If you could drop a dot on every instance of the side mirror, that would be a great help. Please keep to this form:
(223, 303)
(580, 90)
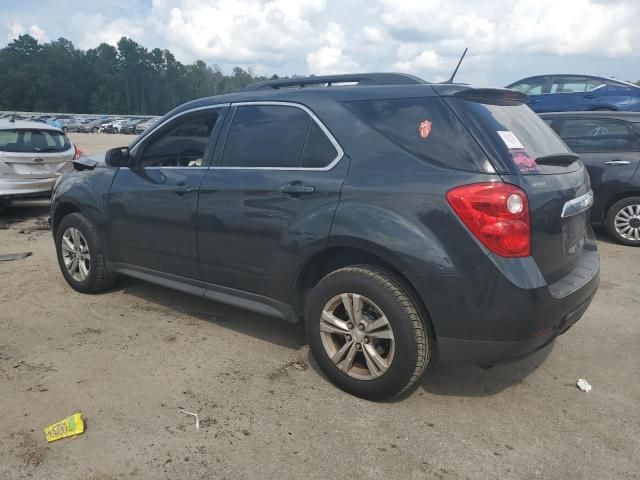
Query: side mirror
(118, 157)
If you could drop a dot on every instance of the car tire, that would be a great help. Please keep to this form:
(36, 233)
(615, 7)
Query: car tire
(391, 338)
(623, 221)
(90, 274)
(65, 129)
(94, 130)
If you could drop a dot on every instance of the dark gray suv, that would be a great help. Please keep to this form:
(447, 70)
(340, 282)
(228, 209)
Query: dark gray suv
(396, 218)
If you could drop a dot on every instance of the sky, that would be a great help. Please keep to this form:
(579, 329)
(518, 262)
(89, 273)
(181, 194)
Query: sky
(507, 39)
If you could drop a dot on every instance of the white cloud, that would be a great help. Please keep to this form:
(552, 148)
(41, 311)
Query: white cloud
(16, 29)
(331, 57)
(506, 38)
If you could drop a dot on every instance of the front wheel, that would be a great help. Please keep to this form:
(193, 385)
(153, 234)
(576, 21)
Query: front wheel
(623, 221)
(80, 255)
(366, 333)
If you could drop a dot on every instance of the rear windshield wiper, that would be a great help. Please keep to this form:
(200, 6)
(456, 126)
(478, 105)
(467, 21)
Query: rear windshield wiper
(46, 149)
(558, 159)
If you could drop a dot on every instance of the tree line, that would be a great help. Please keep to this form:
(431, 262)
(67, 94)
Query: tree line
(126, 79)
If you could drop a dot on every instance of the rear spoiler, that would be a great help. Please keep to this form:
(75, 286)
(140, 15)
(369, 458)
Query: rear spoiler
(493, 96)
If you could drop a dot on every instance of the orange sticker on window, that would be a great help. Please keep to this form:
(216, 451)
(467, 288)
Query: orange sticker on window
(425, 128)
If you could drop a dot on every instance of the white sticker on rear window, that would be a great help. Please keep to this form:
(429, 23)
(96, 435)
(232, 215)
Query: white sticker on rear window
(510, 140)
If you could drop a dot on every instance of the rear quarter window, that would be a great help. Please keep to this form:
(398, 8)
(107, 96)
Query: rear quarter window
(426, 128)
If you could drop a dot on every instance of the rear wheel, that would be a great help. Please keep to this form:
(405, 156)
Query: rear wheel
(80, 255)
(94, 130)
(366, 333)
(623, 221)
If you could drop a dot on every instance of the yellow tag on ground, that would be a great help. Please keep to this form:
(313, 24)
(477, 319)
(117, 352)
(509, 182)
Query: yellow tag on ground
(69, 427)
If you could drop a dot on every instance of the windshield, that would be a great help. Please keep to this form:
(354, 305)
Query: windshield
(33, 141)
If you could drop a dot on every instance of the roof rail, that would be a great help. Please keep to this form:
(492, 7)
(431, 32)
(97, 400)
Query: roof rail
(329, 80)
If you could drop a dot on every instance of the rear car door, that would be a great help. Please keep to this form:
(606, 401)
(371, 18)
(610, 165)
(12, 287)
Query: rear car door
(153, 204)
(610, 150)
(566, 94)
(270, 200)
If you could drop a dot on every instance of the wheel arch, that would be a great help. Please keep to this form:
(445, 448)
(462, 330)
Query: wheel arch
(62, 210)
(339, 256)
(616, 197)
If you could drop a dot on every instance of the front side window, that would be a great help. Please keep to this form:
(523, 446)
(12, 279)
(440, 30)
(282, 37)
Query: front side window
(569, 85)
(182, 143)
(593, 83)
(594, 135)
(276, 136)
(531, 86)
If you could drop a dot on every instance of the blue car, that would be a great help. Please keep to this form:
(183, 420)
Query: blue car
(563, 93)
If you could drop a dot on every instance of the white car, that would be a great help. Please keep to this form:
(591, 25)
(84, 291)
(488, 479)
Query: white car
(33, 156)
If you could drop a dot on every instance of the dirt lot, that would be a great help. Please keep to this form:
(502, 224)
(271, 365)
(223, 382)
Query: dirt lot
(131, 358)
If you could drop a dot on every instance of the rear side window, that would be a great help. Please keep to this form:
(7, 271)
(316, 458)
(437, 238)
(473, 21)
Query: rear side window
(276, 136)
(594, 135)
(569, 85)
(426, 128)
(33, 141)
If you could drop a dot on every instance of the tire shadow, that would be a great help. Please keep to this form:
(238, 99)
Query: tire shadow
(156, 298)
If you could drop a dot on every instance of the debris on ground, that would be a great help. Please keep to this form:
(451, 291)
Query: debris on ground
(193, 415)
(40, 225)
(7, 257)
(68, 427)
(584, 385)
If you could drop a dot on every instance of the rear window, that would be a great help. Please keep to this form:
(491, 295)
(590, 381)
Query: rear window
(515, 134)
(426, 128)
(33, 141)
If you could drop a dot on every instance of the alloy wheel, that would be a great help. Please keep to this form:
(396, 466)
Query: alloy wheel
(357, 336)
(627, 222)
(75, 254)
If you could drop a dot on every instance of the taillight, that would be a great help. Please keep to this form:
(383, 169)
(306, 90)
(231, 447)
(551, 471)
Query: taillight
(78, 153)
(497, 214)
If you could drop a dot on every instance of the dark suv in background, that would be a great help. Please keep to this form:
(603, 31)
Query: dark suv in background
(396, 218)
(609, 145)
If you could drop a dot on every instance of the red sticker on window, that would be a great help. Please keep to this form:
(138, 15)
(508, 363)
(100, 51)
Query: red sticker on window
(425, 128)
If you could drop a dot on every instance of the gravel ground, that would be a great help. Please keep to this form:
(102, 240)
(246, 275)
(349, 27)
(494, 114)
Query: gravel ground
(131, 358)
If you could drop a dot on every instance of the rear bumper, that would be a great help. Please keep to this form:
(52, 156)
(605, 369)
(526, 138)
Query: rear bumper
(21, 187)
(455, 350)
(486, 317)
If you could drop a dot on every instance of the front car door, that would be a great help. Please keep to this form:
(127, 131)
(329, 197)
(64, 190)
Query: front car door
(609, 149)
(535, 88)
(153, 204)
(270, 200)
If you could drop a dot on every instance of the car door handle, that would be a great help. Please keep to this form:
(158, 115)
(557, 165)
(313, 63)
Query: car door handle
(295, 189)
(533, 101)
(182, 189)
(618, 162)
(590, 96)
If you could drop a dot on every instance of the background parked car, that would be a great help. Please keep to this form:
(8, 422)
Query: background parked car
(32, 157)
(92, 126)
(562, 93)
(609, 145)
(130, 126)
(141, 127)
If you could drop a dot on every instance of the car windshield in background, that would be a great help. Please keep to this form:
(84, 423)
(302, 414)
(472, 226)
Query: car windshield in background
(33, 141)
